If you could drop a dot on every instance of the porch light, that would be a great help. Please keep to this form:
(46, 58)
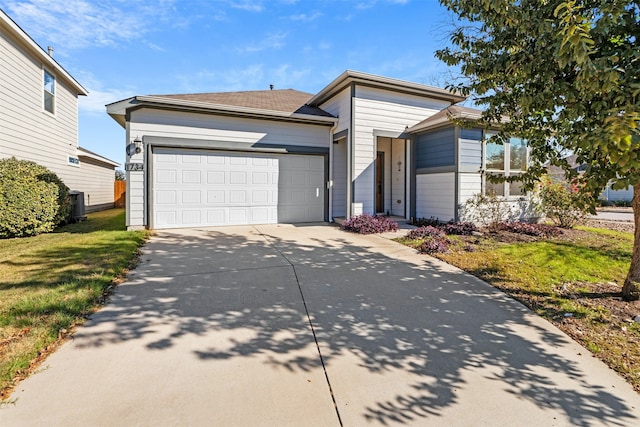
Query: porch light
(135, 147)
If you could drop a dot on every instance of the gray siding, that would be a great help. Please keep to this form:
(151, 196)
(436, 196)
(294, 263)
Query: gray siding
(436, 149)
(470, 144)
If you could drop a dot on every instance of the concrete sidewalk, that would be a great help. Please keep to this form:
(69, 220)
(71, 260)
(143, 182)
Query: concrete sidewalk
(213, 329)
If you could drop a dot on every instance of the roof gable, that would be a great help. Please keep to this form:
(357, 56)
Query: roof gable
(9, 26)
(380, 82)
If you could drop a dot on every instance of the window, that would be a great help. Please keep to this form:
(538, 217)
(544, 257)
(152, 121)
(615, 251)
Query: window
(74, 161)
(509, 159)
(49, 91)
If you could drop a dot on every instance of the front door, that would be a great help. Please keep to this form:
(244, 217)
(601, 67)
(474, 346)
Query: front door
(380, 182)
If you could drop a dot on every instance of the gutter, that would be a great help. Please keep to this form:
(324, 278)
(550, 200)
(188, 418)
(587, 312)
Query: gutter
(178, 104)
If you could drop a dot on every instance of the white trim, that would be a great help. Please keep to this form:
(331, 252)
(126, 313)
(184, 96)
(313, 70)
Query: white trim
(45, 71)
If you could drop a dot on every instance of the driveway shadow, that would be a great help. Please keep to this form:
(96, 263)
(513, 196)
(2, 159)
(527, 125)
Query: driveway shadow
(422, 336)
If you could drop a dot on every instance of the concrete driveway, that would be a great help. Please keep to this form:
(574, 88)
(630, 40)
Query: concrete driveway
(312, 326)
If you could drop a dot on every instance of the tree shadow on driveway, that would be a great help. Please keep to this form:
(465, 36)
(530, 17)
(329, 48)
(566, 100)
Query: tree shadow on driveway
(404, 338)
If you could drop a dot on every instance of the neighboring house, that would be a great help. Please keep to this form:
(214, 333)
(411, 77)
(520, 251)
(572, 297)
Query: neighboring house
(363, 144)
(39, 117)
(608, 193)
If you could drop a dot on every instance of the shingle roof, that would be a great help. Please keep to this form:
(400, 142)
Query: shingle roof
(285, 100)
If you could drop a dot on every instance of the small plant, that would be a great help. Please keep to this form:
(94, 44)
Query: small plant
(460, 228)
(423, 222)
(33, 199)
(422, 232)
(434, 245)
(488, 210)
(369, 224)
(563, 203)
(538, 230)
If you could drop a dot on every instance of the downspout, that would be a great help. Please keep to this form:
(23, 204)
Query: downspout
(350, 156)
(330, 183)
(456, 173)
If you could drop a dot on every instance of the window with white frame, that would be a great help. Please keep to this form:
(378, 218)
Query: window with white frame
(509, 160)
(49, 92)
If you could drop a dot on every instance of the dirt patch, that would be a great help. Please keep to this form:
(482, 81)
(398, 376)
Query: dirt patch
(593, 314)
(611, 335)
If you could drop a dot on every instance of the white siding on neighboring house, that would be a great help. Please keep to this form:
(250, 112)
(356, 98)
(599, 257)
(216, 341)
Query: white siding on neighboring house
(97, 184)
(208, 127)
(27, 131)
(381, 110)
(435, 196)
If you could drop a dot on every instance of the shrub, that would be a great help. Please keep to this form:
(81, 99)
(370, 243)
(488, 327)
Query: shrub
(488, 210)
(434, 245)
(33, 199)
(460, 228)
(422, 232)
(563, 203)
(538, 230)
(423, 222)
(369, 224)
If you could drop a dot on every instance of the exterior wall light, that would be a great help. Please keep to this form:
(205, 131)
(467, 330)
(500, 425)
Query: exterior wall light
(135, 147)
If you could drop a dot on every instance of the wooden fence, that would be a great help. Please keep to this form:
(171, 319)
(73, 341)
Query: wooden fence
(120, 193)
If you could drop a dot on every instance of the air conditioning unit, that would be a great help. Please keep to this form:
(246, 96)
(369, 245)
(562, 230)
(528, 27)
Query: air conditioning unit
(77, 206)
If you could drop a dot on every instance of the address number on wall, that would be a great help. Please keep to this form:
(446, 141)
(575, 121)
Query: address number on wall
(134, 166)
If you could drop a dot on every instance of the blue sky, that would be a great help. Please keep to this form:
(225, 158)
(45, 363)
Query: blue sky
(120, 48)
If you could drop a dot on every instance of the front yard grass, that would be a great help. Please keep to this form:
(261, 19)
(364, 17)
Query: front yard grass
(52, 282)
(573, 280)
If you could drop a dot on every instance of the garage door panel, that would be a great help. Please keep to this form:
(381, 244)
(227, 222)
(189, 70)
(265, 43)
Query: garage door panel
(191, 197)
(191, 177)
(201, 188)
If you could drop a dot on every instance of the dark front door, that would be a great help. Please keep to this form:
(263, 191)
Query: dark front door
(380, 182)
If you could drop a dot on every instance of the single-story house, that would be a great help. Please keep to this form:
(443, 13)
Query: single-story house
(363, 144)
(39, 117)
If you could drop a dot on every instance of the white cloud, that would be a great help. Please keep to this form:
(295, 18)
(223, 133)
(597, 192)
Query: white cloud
(248, 5)
(306, 17)
(230, 80)
(99, 96)
(288, 77)
(80, 23)
(271, 41)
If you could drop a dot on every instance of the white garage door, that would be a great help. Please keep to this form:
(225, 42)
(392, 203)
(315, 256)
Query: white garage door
(194, 188)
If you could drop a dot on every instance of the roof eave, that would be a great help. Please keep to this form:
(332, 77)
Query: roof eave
(35, 49)
(350, 76)
(118, 110)
(83, 152)
(443, 120)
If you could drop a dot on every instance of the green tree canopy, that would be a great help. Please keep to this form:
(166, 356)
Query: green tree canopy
(566, 75)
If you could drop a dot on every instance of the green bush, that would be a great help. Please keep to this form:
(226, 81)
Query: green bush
(33, 199)
(563, 202)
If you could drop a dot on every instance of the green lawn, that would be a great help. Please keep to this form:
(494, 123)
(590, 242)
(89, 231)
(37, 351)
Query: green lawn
(51, 282)
(573, 280)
